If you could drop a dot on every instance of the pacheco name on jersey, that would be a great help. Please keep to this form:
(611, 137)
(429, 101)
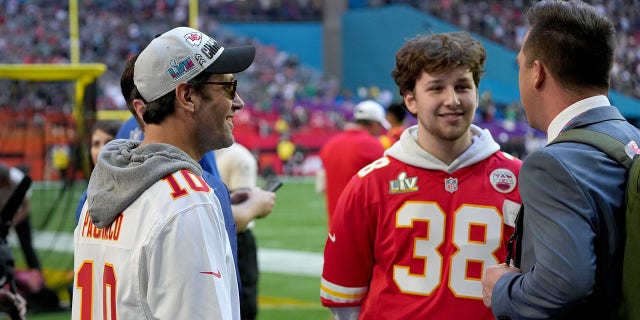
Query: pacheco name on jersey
(112, 232)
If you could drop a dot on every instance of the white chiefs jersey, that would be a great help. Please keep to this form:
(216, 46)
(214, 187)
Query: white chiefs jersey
(166, 256)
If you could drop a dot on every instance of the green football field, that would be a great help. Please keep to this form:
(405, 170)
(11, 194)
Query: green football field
(290, 244)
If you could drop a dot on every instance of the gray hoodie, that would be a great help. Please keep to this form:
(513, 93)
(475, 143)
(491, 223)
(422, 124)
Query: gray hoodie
(124, 170)
(407, 150)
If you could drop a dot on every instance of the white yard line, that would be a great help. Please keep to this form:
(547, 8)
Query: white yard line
(290, 262)
(269, 260)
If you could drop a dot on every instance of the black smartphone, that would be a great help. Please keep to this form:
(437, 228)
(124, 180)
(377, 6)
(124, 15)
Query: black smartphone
(273, 185)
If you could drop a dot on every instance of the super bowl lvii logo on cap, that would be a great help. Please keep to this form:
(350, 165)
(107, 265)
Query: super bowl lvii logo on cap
(178, 69)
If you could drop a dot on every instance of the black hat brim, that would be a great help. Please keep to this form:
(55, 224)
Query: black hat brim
(233, 60)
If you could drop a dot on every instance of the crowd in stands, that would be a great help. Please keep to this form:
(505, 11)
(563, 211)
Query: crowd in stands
(497, 20)
(112, 31)
(267, 10)
(280, 91)
(504, 22)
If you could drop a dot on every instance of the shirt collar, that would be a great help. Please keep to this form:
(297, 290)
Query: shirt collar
(562, 119)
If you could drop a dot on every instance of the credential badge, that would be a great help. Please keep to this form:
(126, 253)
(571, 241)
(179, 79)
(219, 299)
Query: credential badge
(632, 149)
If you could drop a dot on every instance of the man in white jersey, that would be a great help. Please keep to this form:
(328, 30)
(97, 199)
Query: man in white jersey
(151, 240)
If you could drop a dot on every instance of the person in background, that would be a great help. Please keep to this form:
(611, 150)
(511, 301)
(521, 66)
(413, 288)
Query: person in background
(140, 241)
(347, 152)
(573, 194)
(14, 186)
(101, 133)
(413, 230)
(239, 171)
(396, 115)
(13, 304)
(30, 282)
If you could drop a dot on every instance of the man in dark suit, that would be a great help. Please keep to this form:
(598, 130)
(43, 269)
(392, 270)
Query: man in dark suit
(573, 194)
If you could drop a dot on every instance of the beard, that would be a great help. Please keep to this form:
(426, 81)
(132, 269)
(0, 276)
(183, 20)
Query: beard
(223, 141)
(448, 132)
(217, 139)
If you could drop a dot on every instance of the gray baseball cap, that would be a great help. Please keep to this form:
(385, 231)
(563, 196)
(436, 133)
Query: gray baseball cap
(180, 54)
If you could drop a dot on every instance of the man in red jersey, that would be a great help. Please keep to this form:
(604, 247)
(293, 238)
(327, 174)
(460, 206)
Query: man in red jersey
(413, 231)
(354, 148)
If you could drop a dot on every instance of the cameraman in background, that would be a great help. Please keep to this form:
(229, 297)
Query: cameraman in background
(14, 185)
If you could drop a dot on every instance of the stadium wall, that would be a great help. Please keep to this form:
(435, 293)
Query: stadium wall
(304, 39)
(371, 37)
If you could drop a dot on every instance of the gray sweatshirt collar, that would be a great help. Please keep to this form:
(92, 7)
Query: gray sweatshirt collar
(124, 170)
(407, 150)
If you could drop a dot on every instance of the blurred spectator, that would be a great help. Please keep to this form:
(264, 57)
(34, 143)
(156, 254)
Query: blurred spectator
(349, 151)
(239, 171)
(102, 132)
(14, 203)
(395, 114)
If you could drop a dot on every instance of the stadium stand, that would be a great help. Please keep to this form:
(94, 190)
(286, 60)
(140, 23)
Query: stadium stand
(282, 94)
(503, 22)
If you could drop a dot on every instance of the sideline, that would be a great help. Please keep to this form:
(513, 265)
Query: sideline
(269, 260)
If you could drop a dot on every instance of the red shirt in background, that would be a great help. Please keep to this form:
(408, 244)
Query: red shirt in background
(342, 157)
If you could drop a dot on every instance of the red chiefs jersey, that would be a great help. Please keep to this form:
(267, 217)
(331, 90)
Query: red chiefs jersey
(342, 157)
(411, 243)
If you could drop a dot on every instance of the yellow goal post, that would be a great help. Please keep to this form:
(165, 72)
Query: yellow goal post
(82, 73)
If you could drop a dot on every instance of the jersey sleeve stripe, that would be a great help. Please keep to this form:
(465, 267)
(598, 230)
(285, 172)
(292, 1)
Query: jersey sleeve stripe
(340, 294)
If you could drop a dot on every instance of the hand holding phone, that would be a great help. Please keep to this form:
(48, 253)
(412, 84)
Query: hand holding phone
(273, 185)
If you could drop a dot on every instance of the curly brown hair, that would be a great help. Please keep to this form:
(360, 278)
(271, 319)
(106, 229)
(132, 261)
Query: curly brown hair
(437, 53)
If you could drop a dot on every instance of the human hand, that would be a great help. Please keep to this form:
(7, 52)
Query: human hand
(262, 202)
(13, 304)
(257, 203)
(490, 277)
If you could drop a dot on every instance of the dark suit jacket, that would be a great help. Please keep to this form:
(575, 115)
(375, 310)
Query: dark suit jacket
(571, 258)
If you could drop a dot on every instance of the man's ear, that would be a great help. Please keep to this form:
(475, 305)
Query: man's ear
(184, 96)
(540, 73)
(410, 101)
(139, 106)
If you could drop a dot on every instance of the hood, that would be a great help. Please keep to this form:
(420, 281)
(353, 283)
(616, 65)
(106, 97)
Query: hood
(124, 170)
(407, 150)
